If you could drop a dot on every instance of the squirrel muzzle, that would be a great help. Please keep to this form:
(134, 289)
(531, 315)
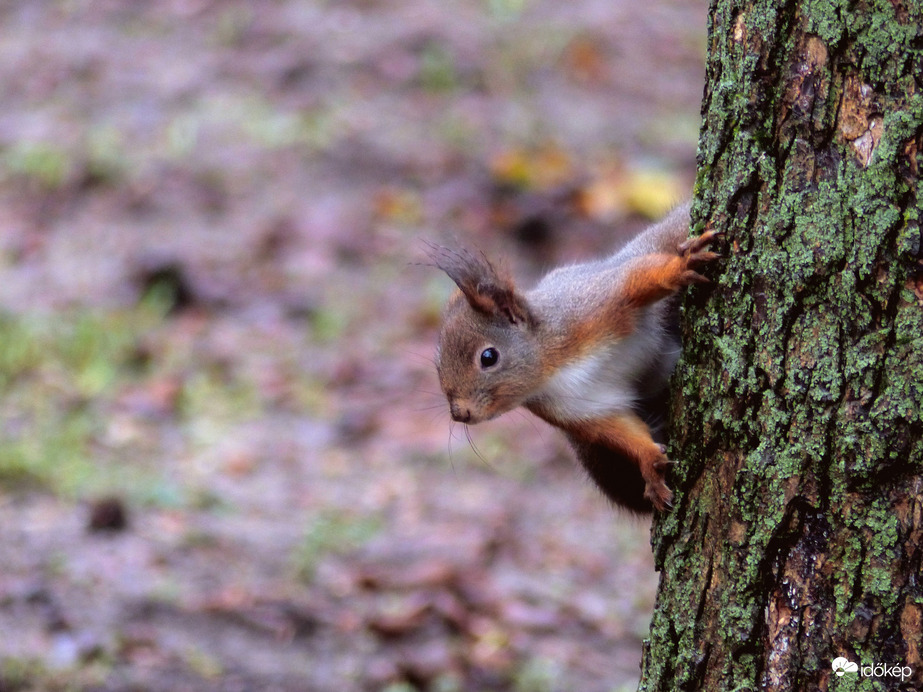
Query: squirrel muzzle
(460, 413)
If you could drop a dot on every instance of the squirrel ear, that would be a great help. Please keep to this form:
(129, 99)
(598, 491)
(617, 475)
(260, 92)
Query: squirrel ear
(487, 290)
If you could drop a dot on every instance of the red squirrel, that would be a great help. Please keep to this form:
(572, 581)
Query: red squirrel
(590, 350)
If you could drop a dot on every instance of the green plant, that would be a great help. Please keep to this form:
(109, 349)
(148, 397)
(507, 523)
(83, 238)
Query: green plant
(332, 532)
(58, 376)
(42, 163)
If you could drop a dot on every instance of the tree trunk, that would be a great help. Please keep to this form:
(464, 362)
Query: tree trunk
(797, 534)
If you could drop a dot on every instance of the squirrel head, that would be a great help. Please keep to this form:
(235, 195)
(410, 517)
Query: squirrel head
(488, 355)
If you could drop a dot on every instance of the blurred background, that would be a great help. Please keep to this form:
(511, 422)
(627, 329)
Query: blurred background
(225, 463)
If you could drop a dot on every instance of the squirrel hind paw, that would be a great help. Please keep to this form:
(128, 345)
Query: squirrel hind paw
(655, 487)
(659, 494)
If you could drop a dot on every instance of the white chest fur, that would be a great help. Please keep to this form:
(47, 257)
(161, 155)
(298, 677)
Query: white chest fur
(600, 383)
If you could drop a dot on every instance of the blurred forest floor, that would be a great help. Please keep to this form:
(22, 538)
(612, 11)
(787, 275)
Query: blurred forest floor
(225, 463)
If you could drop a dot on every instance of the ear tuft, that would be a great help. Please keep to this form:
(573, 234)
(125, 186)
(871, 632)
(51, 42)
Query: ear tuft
(487, 289)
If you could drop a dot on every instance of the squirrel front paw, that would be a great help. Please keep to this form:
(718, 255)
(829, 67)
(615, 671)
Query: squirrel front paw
(693, 253)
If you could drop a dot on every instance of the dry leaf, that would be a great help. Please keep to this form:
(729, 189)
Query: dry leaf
(541, 168)
(650, 193)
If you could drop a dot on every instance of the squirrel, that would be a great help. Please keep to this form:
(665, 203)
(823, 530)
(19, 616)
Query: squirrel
(589, 349)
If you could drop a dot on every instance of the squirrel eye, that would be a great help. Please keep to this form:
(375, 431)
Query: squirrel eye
(489, 357)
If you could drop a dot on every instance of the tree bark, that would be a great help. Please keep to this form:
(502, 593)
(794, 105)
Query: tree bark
(797, 532)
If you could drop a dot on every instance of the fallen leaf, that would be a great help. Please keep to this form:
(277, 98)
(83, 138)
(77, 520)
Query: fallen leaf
(539, 168)
(650, 193)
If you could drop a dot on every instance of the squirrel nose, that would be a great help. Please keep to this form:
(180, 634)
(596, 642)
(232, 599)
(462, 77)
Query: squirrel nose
(459, 414)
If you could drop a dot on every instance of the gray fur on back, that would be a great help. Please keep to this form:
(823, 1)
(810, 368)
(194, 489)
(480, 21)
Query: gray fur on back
(577, 289)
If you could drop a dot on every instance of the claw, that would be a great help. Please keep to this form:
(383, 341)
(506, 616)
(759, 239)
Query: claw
(706, 256)
(692, 245)
(690, 276)
(659, 495)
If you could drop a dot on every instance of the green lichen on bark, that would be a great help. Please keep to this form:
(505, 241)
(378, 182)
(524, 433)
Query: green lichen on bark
(798, 407)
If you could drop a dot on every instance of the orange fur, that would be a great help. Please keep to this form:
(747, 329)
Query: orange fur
(649, 278)
(616, 321)
(629, 435)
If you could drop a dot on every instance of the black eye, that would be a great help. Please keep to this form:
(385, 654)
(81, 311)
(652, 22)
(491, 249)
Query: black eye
(489, 357)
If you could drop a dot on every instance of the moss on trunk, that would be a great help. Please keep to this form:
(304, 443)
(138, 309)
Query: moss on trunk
(798, 412)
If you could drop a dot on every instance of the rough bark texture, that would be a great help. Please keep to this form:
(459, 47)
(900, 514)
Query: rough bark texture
(798, 528)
